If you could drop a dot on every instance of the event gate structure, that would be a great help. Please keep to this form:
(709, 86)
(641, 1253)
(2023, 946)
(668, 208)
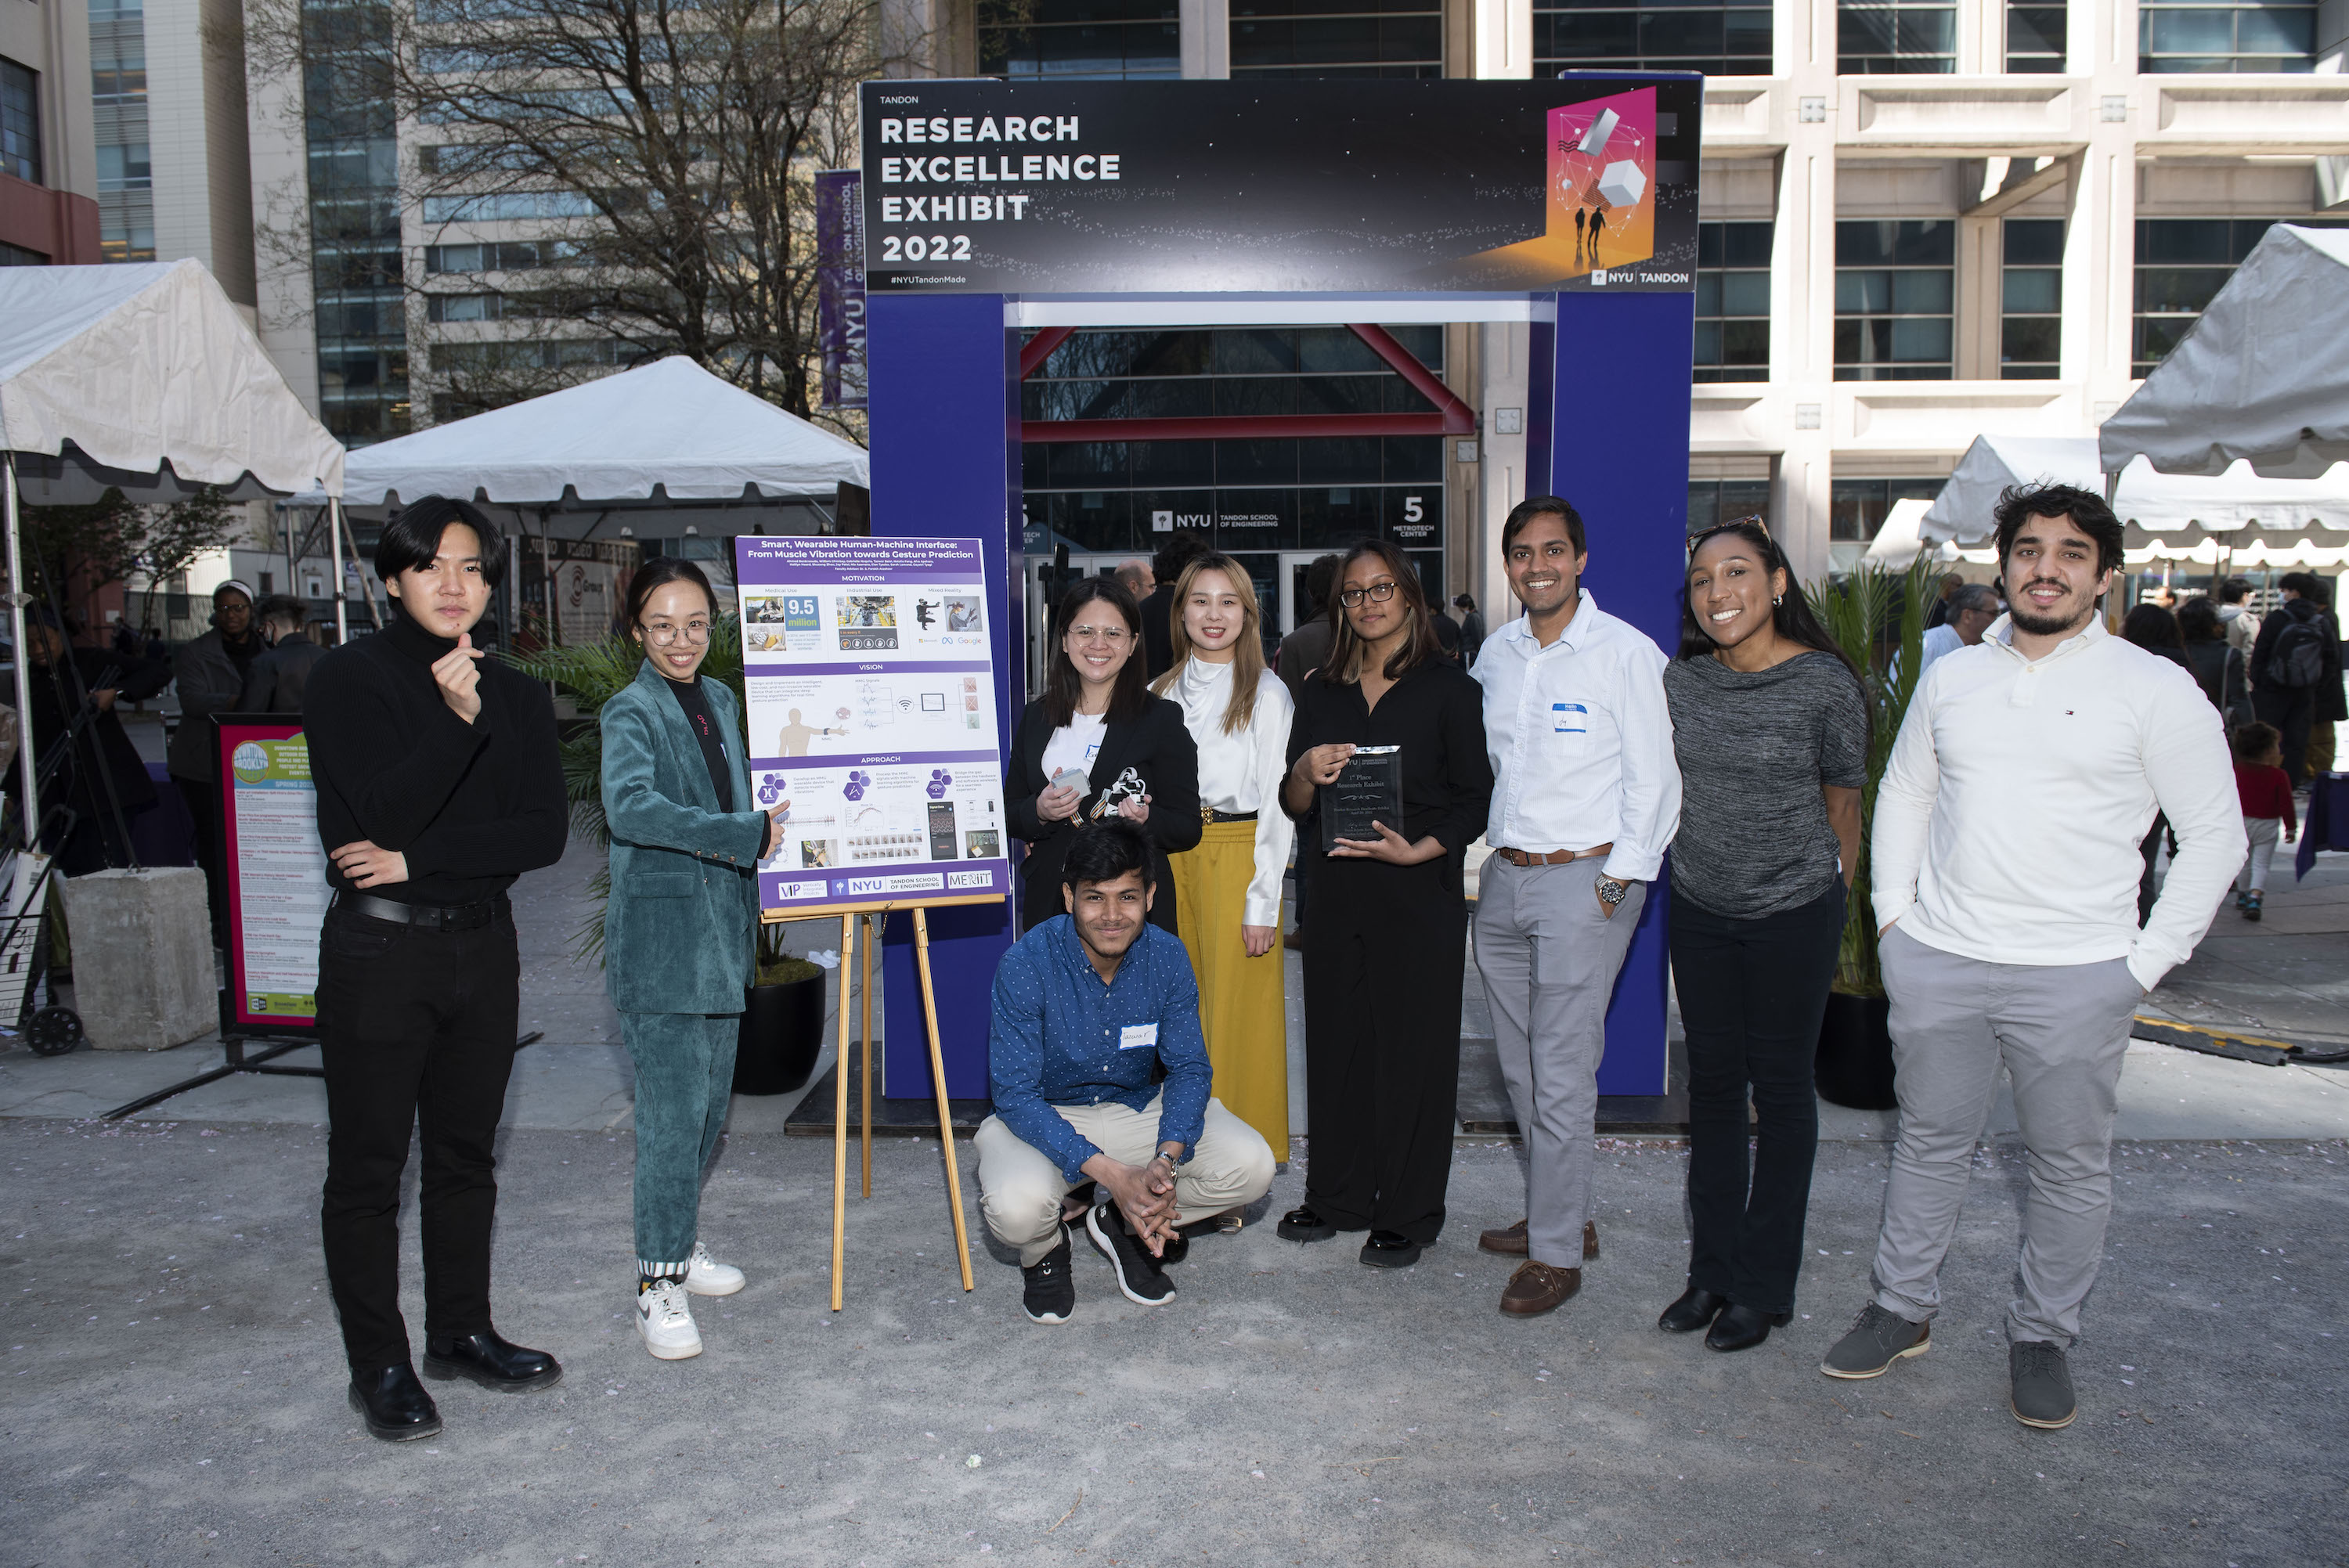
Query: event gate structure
(996, 208)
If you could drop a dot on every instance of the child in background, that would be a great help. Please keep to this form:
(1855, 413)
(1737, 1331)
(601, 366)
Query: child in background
(2265, 790)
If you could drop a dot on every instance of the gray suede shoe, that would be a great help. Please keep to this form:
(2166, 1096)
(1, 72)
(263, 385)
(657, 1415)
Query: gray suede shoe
(2041, 1385)
(1877, 1340)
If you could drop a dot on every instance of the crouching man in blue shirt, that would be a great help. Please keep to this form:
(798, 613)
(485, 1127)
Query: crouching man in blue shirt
(1087, 1006)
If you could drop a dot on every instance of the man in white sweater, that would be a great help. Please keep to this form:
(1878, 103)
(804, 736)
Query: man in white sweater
(2006, 873)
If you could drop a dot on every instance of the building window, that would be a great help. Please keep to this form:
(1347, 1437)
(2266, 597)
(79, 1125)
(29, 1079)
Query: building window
(2031, 299)
(1896, 38)
(465, 308)
(2036, 36)
(2180, 264)
(1895, 286)
(18, 256)
(1069, 39)
(118, 71)
(356, 269)
(502, 256)
(1733, 301)
(124, 166)
(125, 237)
(1712, 501)
(1337, 38)
(1857, 508)
(2253, 35)
(1721, 40)
(20, 122)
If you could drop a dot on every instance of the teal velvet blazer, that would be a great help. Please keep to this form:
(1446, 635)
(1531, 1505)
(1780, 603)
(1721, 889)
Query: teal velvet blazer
(679, 930)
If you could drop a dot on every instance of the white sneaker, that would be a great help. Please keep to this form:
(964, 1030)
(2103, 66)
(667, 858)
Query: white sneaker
(666, 1320)
(705, 1275)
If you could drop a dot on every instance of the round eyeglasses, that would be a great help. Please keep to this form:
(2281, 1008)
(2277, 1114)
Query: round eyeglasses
(1382, 591)
(662, 634)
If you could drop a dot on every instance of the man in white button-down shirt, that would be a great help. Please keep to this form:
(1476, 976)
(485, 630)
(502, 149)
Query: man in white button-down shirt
(1585, 795)
(2005, 868)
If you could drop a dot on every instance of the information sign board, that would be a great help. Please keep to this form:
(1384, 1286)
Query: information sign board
(277, 888)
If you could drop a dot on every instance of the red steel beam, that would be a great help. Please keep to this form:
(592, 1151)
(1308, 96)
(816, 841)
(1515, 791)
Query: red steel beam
(1039, 348)
(1459, 419)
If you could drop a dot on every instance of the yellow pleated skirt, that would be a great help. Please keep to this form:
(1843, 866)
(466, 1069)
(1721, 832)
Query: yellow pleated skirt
(1240, 1000)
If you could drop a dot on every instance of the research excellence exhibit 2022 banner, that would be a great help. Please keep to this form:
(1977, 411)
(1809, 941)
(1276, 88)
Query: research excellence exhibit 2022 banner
(871, 712)
(1282, 187)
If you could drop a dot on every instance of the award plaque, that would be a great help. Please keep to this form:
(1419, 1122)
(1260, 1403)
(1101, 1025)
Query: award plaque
(1368, 788)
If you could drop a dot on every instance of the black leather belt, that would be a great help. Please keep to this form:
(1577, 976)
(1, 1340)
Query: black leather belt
(1208, 815)
(431, 916)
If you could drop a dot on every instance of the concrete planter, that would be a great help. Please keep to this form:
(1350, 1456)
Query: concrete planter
(142, 948)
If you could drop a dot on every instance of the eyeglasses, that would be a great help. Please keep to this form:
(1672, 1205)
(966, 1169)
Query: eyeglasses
(1112, 635)
(1701, 535)
(1381, 591)
(661, 634)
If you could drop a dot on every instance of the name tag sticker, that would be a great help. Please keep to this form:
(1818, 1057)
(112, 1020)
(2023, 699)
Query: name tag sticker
(1569, 718)
(1137, 1037)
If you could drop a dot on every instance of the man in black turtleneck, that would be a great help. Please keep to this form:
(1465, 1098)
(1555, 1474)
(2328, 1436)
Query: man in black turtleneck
(439, 783)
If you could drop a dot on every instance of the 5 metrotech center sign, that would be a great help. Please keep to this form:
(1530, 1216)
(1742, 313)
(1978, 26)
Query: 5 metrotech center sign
(1281, 187)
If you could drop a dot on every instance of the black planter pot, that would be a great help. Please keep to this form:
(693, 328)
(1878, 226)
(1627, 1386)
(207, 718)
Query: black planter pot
(783, 1033)
(1855, 1062)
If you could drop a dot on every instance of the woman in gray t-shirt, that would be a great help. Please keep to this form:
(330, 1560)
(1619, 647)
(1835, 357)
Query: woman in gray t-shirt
(1770, 726)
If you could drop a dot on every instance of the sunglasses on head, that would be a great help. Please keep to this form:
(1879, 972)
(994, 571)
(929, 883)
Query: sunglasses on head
(1698, 538)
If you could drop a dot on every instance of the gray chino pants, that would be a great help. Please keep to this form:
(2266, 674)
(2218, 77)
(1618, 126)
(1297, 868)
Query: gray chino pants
(2061, 1031)
(1549, 954)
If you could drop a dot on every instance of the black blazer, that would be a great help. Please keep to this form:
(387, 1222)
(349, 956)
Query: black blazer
(1157, 744)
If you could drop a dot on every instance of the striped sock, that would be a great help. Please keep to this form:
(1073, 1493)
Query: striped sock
(649, 1275)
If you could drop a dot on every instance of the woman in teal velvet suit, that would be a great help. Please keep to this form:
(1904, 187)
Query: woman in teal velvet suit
(679, 930)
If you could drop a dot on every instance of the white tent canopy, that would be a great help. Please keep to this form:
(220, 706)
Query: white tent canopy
(144, 376)
(662, 434)
(2239, 500)
(2261, 377)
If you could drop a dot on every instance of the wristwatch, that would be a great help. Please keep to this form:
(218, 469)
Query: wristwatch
(1610, 891)
(1174, 1163)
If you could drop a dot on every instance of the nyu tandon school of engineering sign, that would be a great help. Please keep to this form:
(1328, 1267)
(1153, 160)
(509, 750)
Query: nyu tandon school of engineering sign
(1288, 187)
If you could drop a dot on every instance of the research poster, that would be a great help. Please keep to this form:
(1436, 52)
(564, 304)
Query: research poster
(277, 889)
(871, 712)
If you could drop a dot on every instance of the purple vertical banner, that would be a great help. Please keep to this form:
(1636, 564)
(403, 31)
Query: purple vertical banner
(840, 285)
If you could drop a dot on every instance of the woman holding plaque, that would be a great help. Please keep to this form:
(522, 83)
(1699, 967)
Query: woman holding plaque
(1238, 712)
(1097, 742)
(1387, 723)
(687, 840)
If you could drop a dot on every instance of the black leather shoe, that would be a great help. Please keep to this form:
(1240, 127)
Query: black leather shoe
(395, 1404)
(1304, 1223)
(1695, 1309)
(1742, 1327)
(1390, 1250)
(491, 1362)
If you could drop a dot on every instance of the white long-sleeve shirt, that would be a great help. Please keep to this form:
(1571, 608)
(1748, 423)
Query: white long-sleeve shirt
(2008, 825)
(1581, 742)
(1242, 772)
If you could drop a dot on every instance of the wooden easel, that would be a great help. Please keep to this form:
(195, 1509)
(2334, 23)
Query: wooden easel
(849, 914)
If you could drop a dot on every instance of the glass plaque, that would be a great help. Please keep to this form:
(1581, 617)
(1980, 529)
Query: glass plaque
(1368, 787)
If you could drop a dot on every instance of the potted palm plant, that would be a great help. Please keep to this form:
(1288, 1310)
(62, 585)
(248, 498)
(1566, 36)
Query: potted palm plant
(782, 1013)
(1878, 616)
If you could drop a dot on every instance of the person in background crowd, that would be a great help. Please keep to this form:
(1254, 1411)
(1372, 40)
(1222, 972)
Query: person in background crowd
(1089, 1009)
(1769, 727)
(1158, 610)
(1971, 610)
(1472, 629)
(210, 672)
(2153, 629)
(1585, 796)
(2218, 667)
(679, 929)
(1938, 612)
(277, 679)
(1448, 631)
(1229, 885)
(1301, 653)
(2242, 627)
(62, 676)
(2266, 795)
(1135, 577)
(1384, 970)
(2002, 870)
(125, 641)
(155, 649)
(1097, 744)
(2296, 668)
(439, 783)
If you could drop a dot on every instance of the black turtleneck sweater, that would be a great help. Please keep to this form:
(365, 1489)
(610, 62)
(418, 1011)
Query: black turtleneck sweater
(473, 806)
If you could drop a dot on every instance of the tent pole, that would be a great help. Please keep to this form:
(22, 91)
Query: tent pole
(17, 600)
(334, 552)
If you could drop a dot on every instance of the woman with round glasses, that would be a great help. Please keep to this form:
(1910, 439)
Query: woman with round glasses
(1770, 727)
(1095, 743)
(679, 928)
(1383, 974)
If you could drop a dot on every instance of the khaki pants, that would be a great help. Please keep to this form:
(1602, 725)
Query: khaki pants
(1021, 1189)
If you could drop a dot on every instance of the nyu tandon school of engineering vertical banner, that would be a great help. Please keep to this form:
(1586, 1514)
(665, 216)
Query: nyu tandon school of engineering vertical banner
(1285, 187)
(277, 888)
(872, 711)
(839, 285)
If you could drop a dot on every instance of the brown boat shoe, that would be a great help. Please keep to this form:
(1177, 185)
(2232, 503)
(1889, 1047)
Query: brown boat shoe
(1536, 1288)
(1510, 1241)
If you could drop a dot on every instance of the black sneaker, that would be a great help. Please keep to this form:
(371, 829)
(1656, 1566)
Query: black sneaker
(2041, 1383)
(1049, 1291)
(1141, 1278)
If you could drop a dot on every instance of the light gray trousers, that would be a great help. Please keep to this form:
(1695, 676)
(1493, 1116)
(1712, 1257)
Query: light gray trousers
(2061, 1031)
(1548, 954)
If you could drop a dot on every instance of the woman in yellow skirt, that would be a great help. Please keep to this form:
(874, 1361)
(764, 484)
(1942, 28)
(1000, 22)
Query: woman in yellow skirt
(1228, 890)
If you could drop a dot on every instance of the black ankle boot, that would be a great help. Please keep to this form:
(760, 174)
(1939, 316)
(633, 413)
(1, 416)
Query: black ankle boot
(1695, 1309)
(1304, 1223)
(491, 1362)
(395, 1405)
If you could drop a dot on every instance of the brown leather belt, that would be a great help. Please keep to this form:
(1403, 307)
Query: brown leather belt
(1555, 858)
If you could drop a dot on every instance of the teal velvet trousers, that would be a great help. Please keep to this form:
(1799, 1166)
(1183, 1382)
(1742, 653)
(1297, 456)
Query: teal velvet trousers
(684, 1075)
